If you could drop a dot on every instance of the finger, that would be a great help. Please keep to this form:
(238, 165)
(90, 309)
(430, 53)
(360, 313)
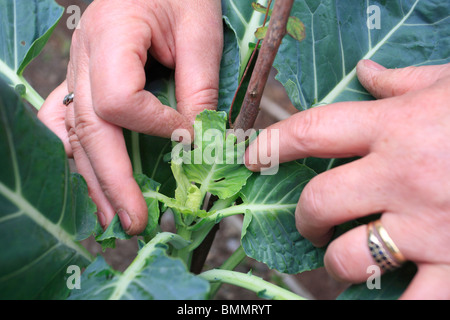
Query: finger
(52, 114)
(105, 148)
(199, 44)
(105, 211)
(342, 194)
(431, 282)
(384, 83)
(348, 257)
(340, 130)
(117, 79)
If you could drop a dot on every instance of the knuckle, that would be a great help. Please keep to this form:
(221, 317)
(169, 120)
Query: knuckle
(112, 104)
(334, 261)
(309, 213)
(84, 128)
(303, 133)
(73, 137)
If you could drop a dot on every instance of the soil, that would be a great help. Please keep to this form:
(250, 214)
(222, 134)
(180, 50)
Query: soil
(49, 70)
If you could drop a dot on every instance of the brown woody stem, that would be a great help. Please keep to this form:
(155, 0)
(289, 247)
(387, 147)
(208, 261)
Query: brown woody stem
(275, 33)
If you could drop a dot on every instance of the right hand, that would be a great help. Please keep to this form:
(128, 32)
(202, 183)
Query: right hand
(106, 73)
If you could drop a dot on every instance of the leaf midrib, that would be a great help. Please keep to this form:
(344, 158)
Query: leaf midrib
(34, 214)
(16, 197)
(342, 85)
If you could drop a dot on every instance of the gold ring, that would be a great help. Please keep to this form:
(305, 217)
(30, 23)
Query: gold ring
(382, 248)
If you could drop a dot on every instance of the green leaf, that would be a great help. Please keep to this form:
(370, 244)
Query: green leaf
(261, 9)
(146, 184)
(152, 276)
(183, 184)
(44, 209)
(216, 164)
(229, 70)
(295, 28)
(321, 69)
(269, 234)
(261, 32)
(26, 28)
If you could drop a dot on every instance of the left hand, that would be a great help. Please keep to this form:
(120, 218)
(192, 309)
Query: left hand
(404, 173)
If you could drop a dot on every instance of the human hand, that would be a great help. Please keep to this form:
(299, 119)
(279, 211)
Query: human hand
(106, 73)
(404, 143)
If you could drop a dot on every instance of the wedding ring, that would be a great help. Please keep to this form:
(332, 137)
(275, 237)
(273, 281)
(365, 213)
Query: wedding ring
(383, 250)
(68, 99)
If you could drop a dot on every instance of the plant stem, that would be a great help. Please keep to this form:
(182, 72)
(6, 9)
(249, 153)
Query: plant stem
(246, 69)
(275, 33)
(185, 253)
(15, 80)
(232, 262)
(204, 236)
(31, 95)
(136, 153)
(253, 283)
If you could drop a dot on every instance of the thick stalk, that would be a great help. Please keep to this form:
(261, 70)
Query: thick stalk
(16, 80)
(271, 43)
(253, 283)
(185, 253)
(204, 237)
(230, 264)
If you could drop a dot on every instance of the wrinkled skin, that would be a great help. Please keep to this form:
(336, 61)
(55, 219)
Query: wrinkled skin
(106, 72)
(403, 139)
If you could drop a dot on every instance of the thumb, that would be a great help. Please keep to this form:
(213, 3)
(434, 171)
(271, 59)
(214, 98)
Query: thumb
(384, 83)
(199, 51)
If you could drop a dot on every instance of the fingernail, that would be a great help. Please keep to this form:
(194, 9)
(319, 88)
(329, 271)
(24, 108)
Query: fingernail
(124, 219)
(373, 65)
(101, 219)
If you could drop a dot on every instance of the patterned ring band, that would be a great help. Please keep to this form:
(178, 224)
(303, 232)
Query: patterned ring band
(382, 248)
(68, 99)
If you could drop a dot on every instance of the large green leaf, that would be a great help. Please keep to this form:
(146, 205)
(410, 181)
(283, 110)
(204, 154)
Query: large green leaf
(152, 276)
(43, 208)
(321, 68)
(26, 28)
(269, 233)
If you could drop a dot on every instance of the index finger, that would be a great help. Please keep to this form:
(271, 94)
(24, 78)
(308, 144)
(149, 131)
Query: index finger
(342, 129)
